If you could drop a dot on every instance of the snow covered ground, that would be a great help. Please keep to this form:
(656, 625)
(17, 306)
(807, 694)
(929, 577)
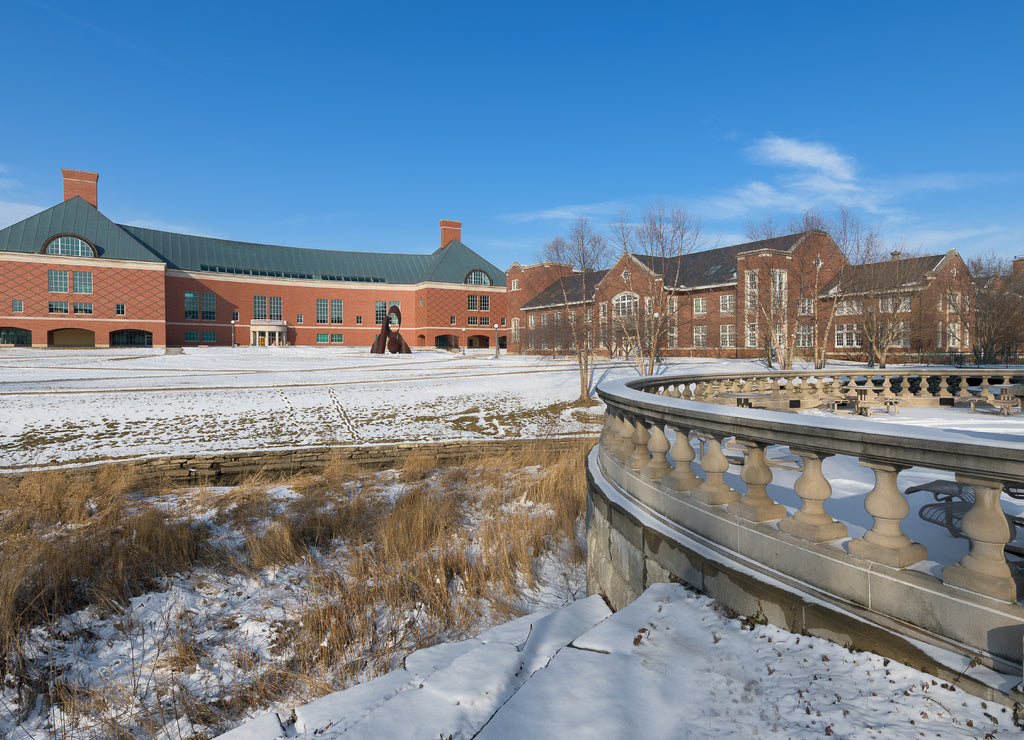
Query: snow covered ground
(696, 671)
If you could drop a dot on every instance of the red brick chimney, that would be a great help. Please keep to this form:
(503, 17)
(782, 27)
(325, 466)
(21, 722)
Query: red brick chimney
(80, 183)
(450, 231)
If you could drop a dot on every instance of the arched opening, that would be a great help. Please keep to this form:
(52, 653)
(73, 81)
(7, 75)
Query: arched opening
(446, 341)
(421, 340)
(478, 341)
(131, 338)
(14, 335)
(70, 338)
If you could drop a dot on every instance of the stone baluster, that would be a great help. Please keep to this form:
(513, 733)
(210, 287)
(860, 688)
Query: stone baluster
(965, 389)
(986, 393)
(885, 542)
(687, 393)
(640, 438)
(944, 387)
(658, 447)
(714, 490)
(606, 430)
(812, 522)
(905, 388)
(887, 386)
(682, 477)
(756, 505)
(624, 451)
(984, 570)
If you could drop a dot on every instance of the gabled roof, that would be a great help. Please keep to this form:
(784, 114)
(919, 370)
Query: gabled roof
(714, 266)
(74, 216)
(568, 290)
(450, 264)
(886, 276)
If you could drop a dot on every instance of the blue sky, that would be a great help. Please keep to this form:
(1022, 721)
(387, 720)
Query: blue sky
(358, 126)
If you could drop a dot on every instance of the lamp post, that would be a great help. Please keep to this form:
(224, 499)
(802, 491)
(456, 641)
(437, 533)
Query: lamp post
(232, 332)
(495, 341)
(463, 340)
(871, 340)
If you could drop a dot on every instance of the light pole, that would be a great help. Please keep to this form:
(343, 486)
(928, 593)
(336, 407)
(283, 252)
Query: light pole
(495, 341)
(463, 340)
(232, 332)
(871, 336)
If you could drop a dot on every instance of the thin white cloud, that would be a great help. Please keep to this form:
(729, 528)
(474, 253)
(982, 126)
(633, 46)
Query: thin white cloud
(813, 155)
(568, 212)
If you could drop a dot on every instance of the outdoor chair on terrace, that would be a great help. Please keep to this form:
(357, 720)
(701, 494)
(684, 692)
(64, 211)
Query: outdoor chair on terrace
(952, 502)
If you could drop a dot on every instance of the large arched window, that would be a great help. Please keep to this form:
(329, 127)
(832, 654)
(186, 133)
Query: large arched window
(478, 277)
(69, 246)
(625, 305)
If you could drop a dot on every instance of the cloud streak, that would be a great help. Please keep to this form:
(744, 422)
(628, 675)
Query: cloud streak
(568, 212)
(814, 155)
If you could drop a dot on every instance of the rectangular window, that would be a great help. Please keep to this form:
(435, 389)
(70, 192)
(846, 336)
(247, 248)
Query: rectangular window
(58, 306)
(209, 337)
(57, 281)
(359, 321)
(337, 338)
(209, 307)
(700, 336)
(259, 308)
(321, 338)
(543, 319)
(486, 320)
(515, 284)
(727, 303)
(298, 318)
(322, 315)
(191, 305)
(779, 296)
(952, 335)
(17, 306)
(847, 335)
(502, 320)
(82, 283)
(752, 334)
(380, 309)
(234, 316)
(472, 321)
(191, 336)
(275, 311)
(727, 335)
(700, 305)
(83, 308)
(604, 311)
(485, 303)
(337, 311)
(119, 309)
(901, 334)
(673, 334)
(532, 319)
(751, 292)
(648, 306)
(848, 307)
(451, 320)
(804, 336)
(806, 306)
(471, 302)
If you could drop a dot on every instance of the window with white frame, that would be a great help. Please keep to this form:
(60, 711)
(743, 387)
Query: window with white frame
(380, 310)
(625, 305)
(337, 311)
(901, 334)
(69, 246)
(648, 306)
(515, 283)
(83, 308)
(849, 307)
(894, 304)
(485, 303)
(804, 336)
(727, 335)
(275, 311)
(558, 318)
(543, 319)
(779, 295)
(471, 320)
(752, 334)
(119, 309)
(532, 320)
(700, 336)
(805, 306)
(673, 333)
(752, 285)
(604, 311)
(847, 335)
(323, 315)
(727, 303)
(700, 305)
(58, 307)
(953, 335)
(259, 308)
(57, 281)
(515, 329)
(17, 306)
(471, 302)
(81, 282)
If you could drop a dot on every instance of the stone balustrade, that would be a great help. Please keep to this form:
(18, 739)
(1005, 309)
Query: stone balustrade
(656, 512)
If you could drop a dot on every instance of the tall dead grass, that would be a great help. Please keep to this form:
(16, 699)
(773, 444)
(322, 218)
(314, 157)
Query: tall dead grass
(387, 573)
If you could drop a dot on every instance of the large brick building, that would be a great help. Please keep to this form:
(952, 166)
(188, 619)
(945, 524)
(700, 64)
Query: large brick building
(69, 276)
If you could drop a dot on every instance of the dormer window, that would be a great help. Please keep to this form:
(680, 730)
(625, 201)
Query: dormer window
(478, 277)
(69, 246)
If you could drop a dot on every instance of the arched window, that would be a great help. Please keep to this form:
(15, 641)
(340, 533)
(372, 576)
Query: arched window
(625, 305)
(478, 277)
(69, 246)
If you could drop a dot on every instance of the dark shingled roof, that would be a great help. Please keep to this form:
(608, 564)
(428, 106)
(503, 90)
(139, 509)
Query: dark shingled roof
(567, 291)
(888, 275)
(450, 264)
(713, 266)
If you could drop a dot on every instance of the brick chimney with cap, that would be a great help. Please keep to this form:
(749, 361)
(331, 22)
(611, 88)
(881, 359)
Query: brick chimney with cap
(450, 231)
(77, 182)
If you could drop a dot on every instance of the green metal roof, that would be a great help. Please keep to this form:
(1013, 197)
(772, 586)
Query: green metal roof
(451, 264)
(74, 216)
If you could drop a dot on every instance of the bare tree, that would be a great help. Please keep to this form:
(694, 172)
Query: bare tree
(997, 314)
(658, 243)
(574, 325)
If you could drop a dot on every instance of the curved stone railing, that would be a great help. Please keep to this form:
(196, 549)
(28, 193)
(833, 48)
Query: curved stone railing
(655, 512)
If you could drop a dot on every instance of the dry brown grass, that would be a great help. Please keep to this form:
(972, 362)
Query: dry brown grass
(454, 543)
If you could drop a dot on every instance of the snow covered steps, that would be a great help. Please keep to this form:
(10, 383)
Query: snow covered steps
(451, 689)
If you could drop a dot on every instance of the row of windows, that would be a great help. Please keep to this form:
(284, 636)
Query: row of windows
(63, 307)
(478, 302)
(57, 281)
(209, 337)
(330, 338)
